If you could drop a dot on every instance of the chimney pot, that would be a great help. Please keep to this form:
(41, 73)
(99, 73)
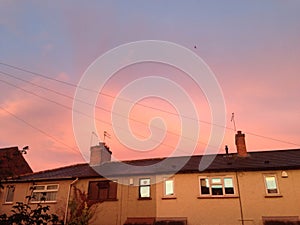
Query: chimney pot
(241, 144)
(226, 149)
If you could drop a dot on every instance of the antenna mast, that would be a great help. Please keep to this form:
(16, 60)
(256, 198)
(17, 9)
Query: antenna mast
(232, 120)
(105, 134)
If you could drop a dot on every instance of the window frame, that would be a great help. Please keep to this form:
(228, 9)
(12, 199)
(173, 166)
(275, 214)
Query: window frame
(144, 185)
(265, 176)
(209, 185)
(165, 195)
(8, 188)
(44, 190)
(108, 190)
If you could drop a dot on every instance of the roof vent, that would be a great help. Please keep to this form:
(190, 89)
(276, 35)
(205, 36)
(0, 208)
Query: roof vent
(284, 174)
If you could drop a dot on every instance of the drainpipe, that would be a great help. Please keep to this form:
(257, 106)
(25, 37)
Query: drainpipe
(240, 200)
(68, 198)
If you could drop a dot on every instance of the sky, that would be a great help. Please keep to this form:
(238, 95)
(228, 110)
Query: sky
(46, 48)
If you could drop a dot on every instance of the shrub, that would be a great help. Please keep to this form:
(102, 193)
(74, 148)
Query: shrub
(22, 214)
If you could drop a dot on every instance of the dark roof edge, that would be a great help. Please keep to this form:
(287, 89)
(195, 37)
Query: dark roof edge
(160, 173)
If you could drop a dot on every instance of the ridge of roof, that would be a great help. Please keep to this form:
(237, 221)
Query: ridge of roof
(59, 168)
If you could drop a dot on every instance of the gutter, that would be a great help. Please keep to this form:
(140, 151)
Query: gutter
(68, 198)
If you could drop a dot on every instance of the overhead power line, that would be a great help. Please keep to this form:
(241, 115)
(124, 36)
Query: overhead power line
(111, 96)
(102, 121)
(61, 142)
(70, 108)
(39, 130)
(105, 94)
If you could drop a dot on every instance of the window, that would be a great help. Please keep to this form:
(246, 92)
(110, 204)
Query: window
(228, 185)
(271, 184)
(44, 193)
(105, 190)
(216, 186)
(144, 188)
(9, 197)
(169, 187)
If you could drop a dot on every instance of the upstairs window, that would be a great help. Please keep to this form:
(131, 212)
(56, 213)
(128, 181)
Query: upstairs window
(102, 190)
(44, 193)
(228, 185)
(271, 184)
(144, 188)
(10, 191)
(169, 187)
(216, 186)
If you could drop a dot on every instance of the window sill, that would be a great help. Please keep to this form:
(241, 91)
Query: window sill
(43, 202)
(148, 198)
(217, 196)
(169, 197)
(7, 203)
(274, 196)
(101, 201)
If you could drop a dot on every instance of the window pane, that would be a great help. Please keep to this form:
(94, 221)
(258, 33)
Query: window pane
(204, 183)
(169, 187)
(103, 184)
(10, 194)
(216, 180)
(271, 184)
(38, 196)
(93, 191)
(103, 194)
(145, 191)
(228, 184)
(52, 187)
(217, 190)
(50, 196)
(113, 186)
(145, 181)
(39, 188)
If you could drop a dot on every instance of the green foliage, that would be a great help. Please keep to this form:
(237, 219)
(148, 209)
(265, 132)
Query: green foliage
(22, 214)
(81, 209)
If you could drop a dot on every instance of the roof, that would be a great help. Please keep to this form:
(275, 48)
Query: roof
(263, 160)
(12, 163)
(68, 172)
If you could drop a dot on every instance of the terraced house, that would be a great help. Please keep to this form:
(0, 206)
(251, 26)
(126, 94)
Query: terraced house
(236, 188)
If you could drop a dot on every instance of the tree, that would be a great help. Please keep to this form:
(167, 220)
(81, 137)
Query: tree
(81, 209)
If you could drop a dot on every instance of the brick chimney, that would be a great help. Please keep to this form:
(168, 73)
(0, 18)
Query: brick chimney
(100, 154)
(241, 144)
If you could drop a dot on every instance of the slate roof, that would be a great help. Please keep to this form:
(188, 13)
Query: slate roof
(12, 163)
(263, 160)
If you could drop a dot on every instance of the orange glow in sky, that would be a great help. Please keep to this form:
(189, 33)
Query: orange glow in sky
(252, 48)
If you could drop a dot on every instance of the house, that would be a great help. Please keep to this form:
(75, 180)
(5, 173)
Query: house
(240, 188)
(12, 163)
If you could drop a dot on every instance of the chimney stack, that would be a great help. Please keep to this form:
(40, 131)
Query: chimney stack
(99, 154)
(241, 144)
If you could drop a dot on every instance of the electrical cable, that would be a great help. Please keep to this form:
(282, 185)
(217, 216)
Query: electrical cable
(104, 94)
